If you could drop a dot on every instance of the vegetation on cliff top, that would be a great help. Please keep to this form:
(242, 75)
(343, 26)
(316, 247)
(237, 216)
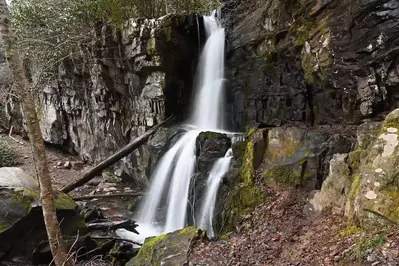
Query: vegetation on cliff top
(50, 31)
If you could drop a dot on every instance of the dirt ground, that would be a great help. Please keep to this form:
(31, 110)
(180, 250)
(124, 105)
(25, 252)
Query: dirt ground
(277, 233)
(56, 159)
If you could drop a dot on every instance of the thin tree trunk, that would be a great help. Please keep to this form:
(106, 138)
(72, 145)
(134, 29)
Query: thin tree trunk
(46, 192)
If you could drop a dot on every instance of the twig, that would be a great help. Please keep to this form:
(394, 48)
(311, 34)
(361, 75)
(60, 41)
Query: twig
(70, 253)
(88, 197)
(11, 137)
(117, 239)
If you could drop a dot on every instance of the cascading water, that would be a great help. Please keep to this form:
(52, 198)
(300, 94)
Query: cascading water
(170, 181)
(220, 168)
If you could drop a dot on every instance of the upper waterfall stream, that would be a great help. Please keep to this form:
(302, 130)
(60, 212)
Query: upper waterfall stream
(170, 181)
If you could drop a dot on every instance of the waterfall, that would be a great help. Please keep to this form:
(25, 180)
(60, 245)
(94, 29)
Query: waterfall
(170, 181)
(220, 168)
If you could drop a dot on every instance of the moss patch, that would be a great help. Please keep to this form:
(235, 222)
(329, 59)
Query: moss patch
(284, 175)
(246, 195)
(3, 226)
(145, 254)
(64, 202)
(191, 230)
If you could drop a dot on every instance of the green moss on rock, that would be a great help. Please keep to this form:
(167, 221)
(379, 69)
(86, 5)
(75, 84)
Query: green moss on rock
(4, 226)
(246, 195)
(168, 249)
(64, 202)
(285, 175)
(145, 255)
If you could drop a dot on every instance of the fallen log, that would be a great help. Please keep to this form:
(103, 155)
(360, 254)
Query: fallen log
(129, 225)
(136, 143)
(100, 196)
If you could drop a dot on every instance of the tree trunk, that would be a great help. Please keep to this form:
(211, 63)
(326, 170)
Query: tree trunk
(46, 192)
(96, 170)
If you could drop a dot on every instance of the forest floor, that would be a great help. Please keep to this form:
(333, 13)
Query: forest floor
(278, 233)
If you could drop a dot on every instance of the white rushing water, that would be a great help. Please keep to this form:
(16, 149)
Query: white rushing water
(170, 181)
(220, 168)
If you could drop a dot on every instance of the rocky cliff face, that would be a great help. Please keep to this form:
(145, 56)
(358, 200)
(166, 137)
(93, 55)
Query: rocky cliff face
(119, 86)
(311, 61)
(364, 183)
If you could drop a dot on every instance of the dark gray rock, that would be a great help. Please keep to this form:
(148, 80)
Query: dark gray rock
(21, 220)
(315, 62)
(169, 249)
(210, 146)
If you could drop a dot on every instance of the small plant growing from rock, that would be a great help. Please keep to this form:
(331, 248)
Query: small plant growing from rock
(8, 157)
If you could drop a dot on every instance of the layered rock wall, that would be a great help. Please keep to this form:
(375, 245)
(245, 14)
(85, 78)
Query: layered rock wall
(119, 86)
(311, 61)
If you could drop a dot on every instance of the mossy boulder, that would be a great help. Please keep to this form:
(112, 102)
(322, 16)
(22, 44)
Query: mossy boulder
(371, 185)
(246, 194)
(168, 250)
(21, 220)
(299, 158)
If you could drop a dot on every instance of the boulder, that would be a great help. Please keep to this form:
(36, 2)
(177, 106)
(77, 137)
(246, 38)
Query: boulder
(284, 156)
(210, 146)
(299, 157)
(363, 184)
(21, 220)
(168, 250)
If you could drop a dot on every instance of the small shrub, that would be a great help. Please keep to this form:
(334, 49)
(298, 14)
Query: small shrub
(8, 157)
(364, 246)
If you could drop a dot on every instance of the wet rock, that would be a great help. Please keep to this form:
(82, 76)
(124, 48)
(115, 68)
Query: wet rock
(21, 220)
(210, 146)
(169, 250)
